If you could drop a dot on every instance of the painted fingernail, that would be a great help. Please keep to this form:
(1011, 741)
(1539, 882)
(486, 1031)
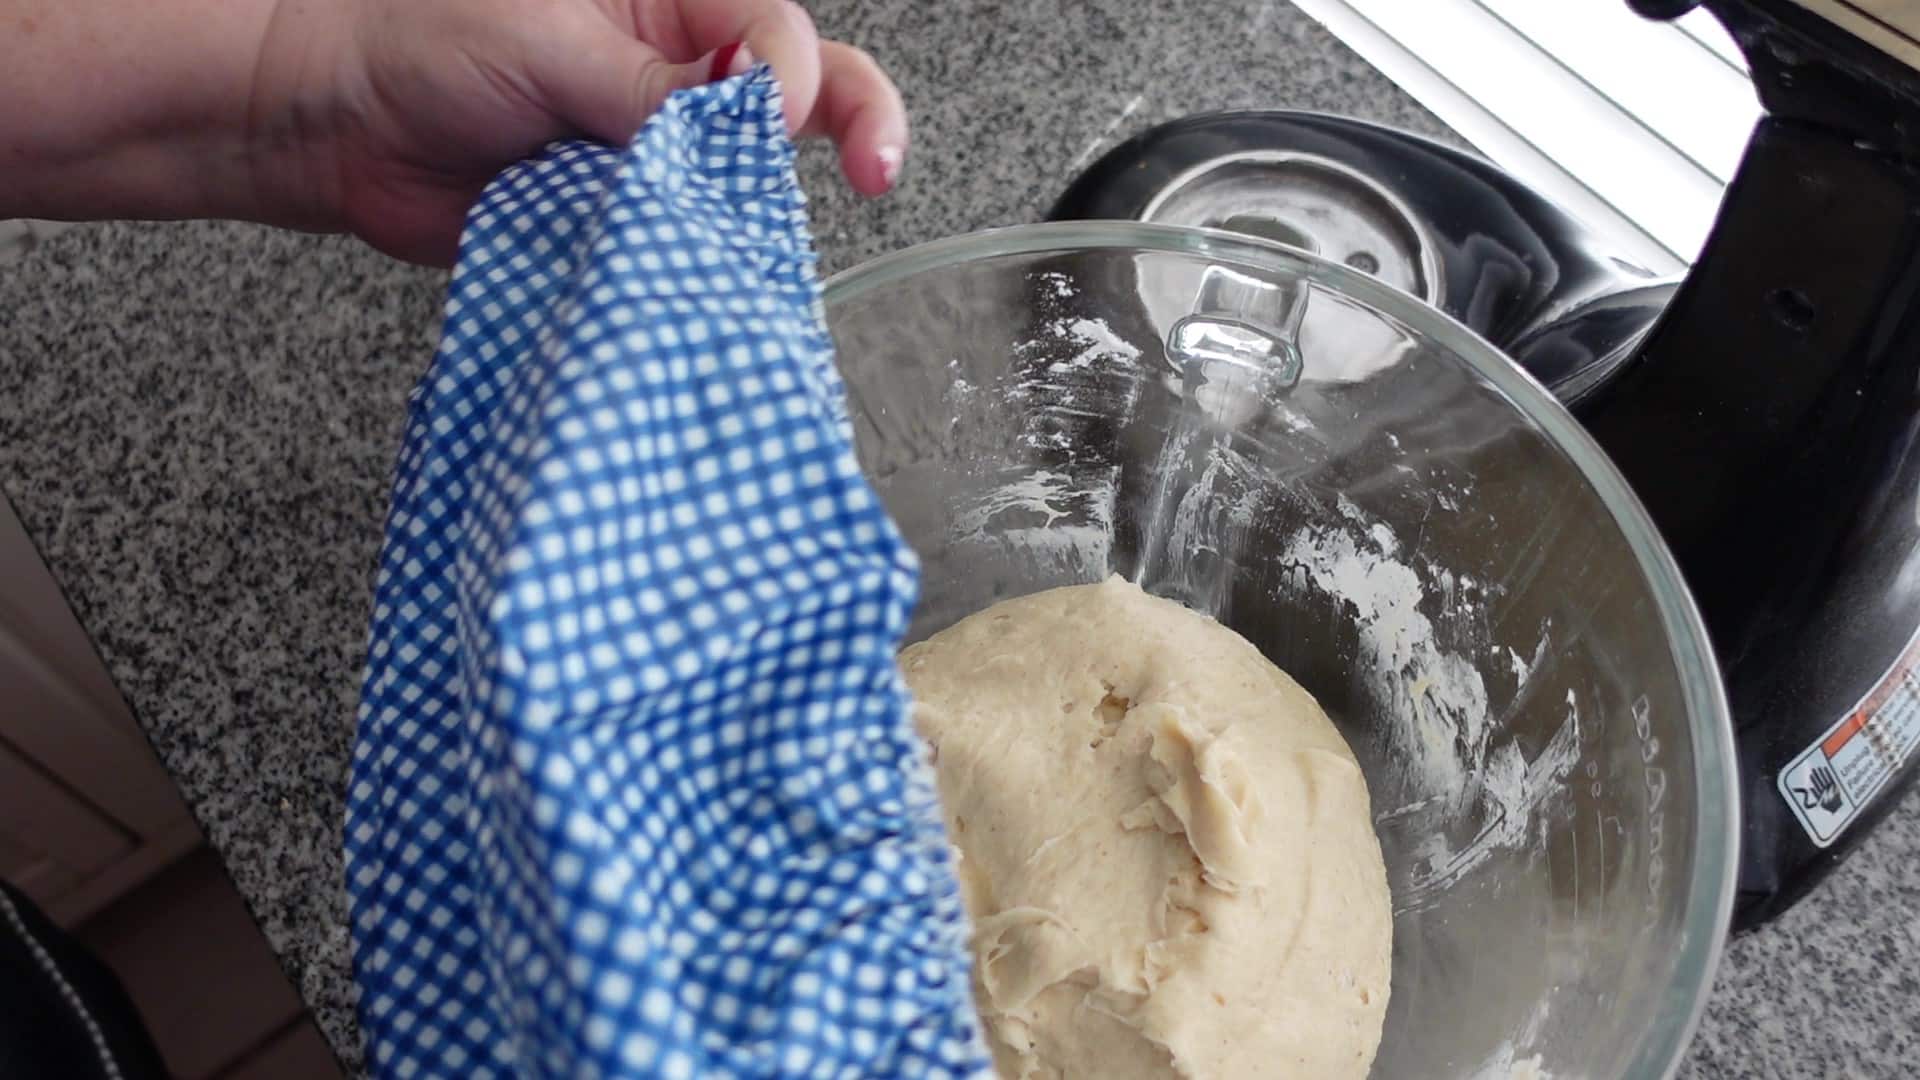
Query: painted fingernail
(890, 159)
(730, 60)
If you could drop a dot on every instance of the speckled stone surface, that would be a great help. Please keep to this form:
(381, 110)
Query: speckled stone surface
(1831, 988)
(197, 423)
(196, 426)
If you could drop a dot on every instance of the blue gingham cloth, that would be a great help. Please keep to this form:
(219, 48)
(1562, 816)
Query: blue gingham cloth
(635, 791)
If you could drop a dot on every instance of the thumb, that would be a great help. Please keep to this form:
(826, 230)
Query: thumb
(609, 88)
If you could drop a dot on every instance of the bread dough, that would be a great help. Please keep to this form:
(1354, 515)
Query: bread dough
(1165, 846)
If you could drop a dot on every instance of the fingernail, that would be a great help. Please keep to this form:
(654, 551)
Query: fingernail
(890, 160)
(730, 60)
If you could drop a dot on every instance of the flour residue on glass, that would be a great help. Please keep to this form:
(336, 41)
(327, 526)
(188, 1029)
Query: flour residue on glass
(1439, 696)
(1520, 667)
(1058, 511)
(1217, 509)
(1101, 343)
(1449, 757)
(1294, 422)
(1193, 552)
(1514, 790)
(1509, 1063)
(1070, 371)
(1061, 520)
(960, 391)
(1506, 1065)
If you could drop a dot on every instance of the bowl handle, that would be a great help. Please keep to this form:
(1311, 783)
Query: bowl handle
(1245, 323)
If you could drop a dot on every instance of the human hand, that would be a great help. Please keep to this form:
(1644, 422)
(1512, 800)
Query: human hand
(386, 117)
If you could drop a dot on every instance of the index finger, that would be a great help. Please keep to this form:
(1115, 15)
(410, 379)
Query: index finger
(860, 109)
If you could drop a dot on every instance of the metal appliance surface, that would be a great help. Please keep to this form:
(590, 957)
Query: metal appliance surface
(1766, 409)
(1769, 424)
(1438, 223)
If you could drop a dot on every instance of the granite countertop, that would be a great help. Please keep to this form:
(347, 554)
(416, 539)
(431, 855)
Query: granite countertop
(198, 422)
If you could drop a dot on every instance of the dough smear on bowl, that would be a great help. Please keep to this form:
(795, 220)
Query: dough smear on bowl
(1165, 846)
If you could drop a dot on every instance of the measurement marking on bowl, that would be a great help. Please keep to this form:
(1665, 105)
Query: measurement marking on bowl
(1655, 778)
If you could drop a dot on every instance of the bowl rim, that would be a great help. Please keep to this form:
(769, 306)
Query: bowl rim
(1710, 889)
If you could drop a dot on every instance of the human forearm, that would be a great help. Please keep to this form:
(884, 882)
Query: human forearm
(133, 108)
(380, 117)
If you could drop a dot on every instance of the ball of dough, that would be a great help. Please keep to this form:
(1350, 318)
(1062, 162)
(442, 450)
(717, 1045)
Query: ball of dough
(1165, 846)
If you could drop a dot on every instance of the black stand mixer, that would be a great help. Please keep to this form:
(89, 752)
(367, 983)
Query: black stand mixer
(1766, 408)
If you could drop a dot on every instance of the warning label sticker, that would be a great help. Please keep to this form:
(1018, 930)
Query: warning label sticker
(1830, 783)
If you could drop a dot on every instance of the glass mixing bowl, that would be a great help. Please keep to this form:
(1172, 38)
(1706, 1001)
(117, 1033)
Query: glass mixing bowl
(1401, 519)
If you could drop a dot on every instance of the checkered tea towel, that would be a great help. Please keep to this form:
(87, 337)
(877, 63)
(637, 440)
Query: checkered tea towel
(635, 791)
